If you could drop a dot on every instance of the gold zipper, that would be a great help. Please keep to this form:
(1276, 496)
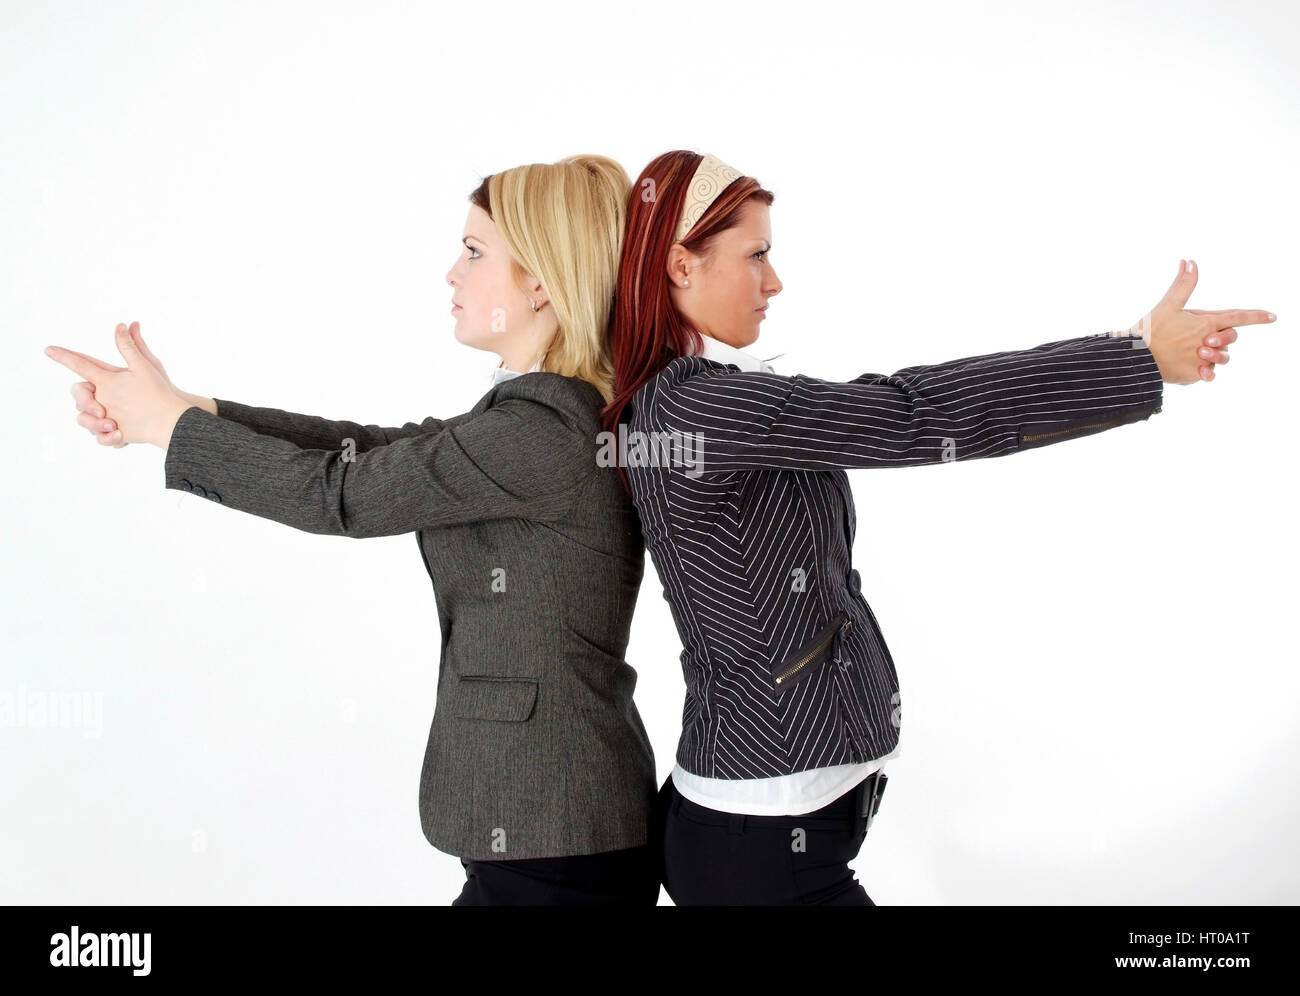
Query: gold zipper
(1078, 428)
(813, 653)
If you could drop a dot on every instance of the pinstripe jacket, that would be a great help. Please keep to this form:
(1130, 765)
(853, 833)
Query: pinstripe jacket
(751, 524)
(536, 748)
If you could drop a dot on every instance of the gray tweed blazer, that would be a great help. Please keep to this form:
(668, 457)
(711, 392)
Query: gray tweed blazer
(536, 557)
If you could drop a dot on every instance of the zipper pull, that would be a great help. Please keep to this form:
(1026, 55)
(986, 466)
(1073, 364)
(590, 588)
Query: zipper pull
(838, 656)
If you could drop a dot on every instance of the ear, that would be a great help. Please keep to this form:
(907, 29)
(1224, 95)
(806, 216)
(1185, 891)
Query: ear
(536, 290)
(680, 263)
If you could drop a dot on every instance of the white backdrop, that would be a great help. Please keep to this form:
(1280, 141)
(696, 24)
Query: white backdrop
(1095, 640)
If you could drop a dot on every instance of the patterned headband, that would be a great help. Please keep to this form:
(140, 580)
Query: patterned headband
(711, 177)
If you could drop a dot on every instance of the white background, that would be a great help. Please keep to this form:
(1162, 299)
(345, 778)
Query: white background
(1096, 640)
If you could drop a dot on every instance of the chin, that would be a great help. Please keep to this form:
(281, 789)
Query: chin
(486, 341)
(466, 337)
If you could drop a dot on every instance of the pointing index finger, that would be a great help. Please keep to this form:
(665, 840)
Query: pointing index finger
(89, 364)
(75, 362)
(1226, 319)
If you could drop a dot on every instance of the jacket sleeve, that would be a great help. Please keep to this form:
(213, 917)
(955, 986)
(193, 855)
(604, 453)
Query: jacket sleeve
(518, 458)
(979, 406)
(315, 433)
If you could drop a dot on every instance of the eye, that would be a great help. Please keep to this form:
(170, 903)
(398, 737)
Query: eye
(475, 252)
(761, 253)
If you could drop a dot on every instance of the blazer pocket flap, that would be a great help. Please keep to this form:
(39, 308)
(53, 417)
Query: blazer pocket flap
(509, 699)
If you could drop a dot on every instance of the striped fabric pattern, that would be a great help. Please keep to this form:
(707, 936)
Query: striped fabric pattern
(754, 552)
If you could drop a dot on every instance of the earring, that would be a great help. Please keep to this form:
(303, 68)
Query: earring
(686, 283)
(534, 304)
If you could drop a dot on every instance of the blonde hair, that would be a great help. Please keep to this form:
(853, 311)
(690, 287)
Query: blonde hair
(563, 223)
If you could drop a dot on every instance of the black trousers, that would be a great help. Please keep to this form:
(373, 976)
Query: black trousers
(627, 877)
(712, 858)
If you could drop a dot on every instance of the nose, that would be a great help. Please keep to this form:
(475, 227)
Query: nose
(457, 269)
(772, 285)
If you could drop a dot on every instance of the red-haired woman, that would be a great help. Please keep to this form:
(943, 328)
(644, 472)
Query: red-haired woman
(737, 474)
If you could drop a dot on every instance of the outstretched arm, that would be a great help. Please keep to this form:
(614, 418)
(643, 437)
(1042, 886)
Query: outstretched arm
(978, 406)
(519, 458)
(525, 456)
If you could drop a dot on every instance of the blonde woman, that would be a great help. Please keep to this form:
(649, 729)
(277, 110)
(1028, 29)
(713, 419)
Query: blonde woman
(538, 772)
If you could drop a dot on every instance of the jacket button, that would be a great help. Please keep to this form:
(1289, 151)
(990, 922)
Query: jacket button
(214, 496)
(186, 485)
(855, 581)
(199, 490)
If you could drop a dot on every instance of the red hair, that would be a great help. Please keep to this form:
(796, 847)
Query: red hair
(648, 333)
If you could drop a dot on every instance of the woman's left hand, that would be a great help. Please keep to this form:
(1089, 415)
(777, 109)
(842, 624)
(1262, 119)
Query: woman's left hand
(138, 397)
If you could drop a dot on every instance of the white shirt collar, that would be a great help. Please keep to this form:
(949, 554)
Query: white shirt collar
(500, 372)
(715, 349)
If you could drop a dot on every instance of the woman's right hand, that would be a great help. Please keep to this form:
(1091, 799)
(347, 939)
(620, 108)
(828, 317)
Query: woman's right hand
(95, 420)
(1178, 336)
